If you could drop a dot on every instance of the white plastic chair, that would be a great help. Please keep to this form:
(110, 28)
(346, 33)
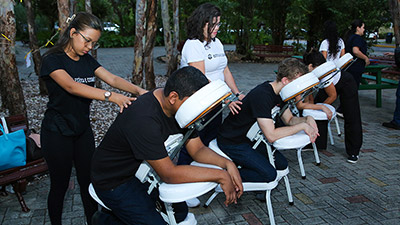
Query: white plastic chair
(296, 141)
(247, 186)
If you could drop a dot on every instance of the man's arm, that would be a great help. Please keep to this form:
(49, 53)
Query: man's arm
(294, 125)
(229, 179)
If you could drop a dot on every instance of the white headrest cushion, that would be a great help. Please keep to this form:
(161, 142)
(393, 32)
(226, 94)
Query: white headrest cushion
(324, 69)
(298, 86)
(200, 101)
(344, 61)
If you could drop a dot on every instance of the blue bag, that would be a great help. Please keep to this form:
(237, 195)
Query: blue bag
(12, 148)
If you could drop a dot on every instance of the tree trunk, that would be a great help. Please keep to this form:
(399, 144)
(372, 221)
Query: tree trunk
(63, 14)
(33, 45)
(278, 20)
(10, 86)
(88, 8)
(394, 6)
(140, 18)
(175, 40)
(120, 16)
(150, 42)
(167, 36)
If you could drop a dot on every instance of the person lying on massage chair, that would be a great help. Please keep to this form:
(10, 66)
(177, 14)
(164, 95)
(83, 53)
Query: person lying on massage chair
(345, 87)
(138, 134)
(257, 106)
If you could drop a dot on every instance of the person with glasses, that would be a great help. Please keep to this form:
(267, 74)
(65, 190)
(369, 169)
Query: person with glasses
(205, 51)
(66, 135)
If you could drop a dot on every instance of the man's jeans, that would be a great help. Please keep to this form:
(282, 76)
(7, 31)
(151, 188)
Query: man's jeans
(255, 166)
(131, 204)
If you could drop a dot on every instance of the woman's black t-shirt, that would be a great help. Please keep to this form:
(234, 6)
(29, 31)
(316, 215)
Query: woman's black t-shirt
(66, 113)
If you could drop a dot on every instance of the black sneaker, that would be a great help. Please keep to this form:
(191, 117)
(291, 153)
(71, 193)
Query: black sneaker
(392, 125)
(352, 159)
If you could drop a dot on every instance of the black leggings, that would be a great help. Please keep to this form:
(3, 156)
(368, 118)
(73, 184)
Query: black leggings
(61, 152)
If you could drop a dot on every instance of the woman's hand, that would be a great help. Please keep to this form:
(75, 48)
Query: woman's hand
(327, 111)
(234, 107)
(367, 62)
(121, 100)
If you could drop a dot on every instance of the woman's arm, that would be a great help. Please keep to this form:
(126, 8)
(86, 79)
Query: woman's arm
(342, 52)
(118, 82)
(230, 81)
(325, 54)
(359, 54)
(310, 105)
(62, 78)
(332, 95)
(199, 65)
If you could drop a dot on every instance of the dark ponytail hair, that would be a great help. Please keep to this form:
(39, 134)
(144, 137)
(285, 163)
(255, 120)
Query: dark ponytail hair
(82, 21)
(203, 14)
(331, 34)
(313, 57)
(356, 23)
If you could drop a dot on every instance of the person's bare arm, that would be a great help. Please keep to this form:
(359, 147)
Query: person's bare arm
(359, 54)
(62, 78)
(332, 94)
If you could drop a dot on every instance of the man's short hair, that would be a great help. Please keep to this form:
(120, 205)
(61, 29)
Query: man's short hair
(290, 68)
(185, 82)
(314, 57)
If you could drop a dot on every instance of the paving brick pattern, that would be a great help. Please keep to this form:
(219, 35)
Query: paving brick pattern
(335, 192)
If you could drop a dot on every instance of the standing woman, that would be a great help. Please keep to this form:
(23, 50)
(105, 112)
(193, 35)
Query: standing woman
(205, 51)
(357, 46)
(66, 135)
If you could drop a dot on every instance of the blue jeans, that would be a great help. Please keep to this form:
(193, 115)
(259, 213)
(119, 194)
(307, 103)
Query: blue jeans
(396, 116)
(254, 163)
(130, 204)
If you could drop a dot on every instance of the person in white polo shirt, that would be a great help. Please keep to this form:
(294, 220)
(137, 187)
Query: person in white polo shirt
(205, 51)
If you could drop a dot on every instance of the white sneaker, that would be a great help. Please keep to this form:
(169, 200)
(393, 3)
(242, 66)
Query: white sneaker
(192, 203)
(189, 220)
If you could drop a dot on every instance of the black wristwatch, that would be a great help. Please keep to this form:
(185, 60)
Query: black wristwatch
(107, 96)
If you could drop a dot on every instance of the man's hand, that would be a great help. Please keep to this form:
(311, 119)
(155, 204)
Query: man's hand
(236, 179)
(229, 189)
(311, 129)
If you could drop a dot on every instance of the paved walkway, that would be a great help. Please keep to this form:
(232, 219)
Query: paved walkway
(335, 192)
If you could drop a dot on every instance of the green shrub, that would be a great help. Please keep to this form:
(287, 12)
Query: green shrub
(113, 40)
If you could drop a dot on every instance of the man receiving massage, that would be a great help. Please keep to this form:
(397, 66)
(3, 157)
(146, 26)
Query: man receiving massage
(257, 106)
(138, 134)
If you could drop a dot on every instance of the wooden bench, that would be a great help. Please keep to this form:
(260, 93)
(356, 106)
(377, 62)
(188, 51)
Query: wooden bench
(273, 51)
(17, 176)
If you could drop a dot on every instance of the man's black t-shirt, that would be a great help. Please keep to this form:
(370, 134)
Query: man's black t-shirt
(258, 103)
(137, 134)
(67, 113)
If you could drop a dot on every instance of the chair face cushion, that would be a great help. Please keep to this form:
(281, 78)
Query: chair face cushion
(325, 69)
(344, 61)
(201, 102)
(298, 86)
(319, 114)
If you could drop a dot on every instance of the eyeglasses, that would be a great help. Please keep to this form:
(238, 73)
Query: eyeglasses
(95, 45)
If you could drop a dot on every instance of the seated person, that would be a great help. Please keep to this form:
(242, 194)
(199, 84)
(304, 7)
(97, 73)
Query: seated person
(138, 134)
(346, 88)
(257, 106)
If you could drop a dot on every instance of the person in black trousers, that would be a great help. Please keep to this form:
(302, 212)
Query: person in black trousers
(346, 89)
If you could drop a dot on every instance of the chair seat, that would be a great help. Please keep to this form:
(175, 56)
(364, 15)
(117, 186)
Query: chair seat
(319, 114)
(294, 141)
(172, 193)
